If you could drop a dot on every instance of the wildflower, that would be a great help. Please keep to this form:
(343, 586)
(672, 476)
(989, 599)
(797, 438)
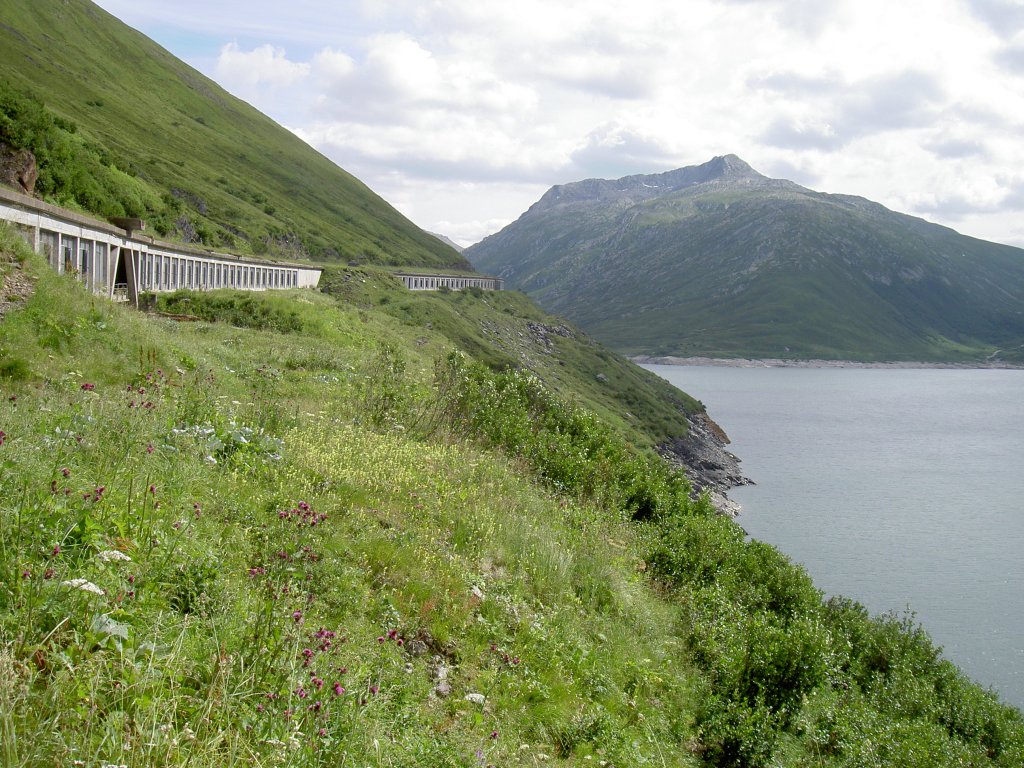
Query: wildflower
(374, 689)
(112, 555)
(56, 549)
(318, 683)
(86, 387)
(149, 448)
(297, 616)
(3, 436)
(392, 634)
(381, 639)
(49, 573)
(322, 732)
(339, 689)
(26, 574)
(400, 642)
(65, 471)
(301, 692)
(494, 734)
(152, 489)
(83, 585)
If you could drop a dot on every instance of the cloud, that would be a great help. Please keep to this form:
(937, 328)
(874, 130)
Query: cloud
(442, 106)
(956, 148)
(798, 84)
(1014, 200)
(798, 134)
(399, 77)
(612, 151)
(784, 169)
(247, 72)
(839, 113)
(809, 17)
(1012, 58)
(1004, 17)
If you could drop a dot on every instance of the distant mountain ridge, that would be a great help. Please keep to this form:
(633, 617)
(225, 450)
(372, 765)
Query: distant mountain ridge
(720, 260)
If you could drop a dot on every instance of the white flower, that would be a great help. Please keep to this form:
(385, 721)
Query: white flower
(82, 584)
(110, 555)
(475, 698)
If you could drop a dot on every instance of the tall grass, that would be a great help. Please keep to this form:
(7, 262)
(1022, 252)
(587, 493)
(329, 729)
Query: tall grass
(211, 557)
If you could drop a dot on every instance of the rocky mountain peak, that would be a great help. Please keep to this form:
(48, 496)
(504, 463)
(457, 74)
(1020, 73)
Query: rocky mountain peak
(724, 168)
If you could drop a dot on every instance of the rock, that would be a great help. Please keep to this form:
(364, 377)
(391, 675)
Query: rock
(18, 169)
(707, 463)
(416, 647)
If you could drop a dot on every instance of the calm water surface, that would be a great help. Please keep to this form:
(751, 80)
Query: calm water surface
(899, 488)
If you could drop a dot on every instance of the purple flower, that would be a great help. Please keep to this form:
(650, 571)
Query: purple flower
(339, 690)
(297, 617)
(88, 387)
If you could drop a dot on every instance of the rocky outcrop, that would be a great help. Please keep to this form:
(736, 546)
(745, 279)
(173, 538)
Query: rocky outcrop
(704, 458)
(18, 169)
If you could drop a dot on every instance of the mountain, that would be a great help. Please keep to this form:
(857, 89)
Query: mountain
(719, 260)
(448, 241)
(122, 127)
(362, 525)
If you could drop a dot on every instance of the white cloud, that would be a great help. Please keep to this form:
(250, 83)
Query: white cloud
(463, 112)
(253, 72)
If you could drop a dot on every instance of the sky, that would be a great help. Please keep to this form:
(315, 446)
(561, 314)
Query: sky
(462, 113)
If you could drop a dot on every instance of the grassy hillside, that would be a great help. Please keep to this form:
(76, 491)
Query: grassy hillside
(718, 260)
(324, 536)
(121, 127)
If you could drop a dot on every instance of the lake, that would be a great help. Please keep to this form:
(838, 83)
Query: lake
(900, 488)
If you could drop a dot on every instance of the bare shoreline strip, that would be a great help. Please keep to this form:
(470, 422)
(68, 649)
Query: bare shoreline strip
(738, 362)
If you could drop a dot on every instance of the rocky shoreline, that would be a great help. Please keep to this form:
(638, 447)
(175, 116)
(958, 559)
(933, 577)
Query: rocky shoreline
(703, 456)
(743, 362)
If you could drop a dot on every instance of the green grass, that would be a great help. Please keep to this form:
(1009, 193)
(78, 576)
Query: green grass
(345, 504)
(121, 127)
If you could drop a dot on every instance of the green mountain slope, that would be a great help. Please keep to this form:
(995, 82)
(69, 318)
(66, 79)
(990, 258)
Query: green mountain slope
(719, 260)
(140, 133)
(324, 536)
